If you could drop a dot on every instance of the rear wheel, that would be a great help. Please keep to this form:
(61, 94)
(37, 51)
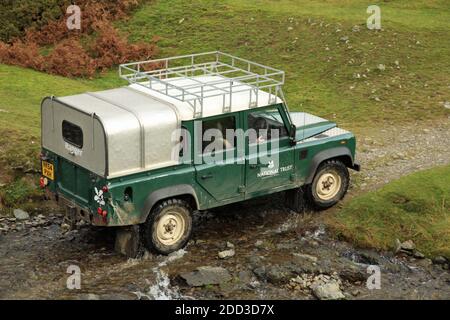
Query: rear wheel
(329, 185)
(168, 227)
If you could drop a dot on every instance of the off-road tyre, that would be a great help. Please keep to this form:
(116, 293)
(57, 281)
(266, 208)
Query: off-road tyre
(329, 186)
(168, 227)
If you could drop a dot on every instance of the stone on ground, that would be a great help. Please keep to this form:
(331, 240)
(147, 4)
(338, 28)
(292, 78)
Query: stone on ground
(206, 276)
(19, 214)
(327, 291)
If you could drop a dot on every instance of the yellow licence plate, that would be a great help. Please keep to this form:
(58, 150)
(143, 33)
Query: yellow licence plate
(47, 170)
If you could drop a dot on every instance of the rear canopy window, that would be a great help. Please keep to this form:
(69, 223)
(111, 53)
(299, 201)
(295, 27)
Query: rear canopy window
(72, 134)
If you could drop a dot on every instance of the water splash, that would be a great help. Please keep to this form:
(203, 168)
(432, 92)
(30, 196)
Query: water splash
(162, 290)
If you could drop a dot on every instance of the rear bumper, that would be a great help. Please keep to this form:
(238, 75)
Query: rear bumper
(75, 213)
(356, 166)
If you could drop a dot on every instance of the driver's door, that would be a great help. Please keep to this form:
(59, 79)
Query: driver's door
(269, 153)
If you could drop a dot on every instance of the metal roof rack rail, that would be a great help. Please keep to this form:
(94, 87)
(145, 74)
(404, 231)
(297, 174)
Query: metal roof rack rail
(235, 75)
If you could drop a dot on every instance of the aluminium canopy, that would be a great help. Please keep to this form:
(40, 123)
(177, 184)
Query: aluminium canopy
(128, 129)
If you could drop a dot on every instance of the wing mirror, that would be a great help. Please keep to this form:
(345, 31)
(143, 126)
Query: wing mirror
(292, 132)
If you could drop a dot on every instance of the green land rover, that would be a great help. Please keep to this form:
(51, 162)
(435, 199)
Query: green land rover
(188, 133)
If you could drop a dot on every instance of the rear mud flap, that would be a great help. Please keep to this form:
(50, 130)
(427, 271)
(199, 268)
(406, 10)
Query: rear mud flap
(296, 199)
(129, 241)
(70, 218)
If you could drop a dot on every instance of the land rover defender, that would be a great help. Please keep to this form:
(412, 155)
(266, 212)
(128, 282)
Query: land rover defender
(188, 133)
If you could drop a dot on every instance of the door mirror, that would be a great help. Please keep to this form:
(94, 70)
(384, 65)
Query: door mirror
(292, 131)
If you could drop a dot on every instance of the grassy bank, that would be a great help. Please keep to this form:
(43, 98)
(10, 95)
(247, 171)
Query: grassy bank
(415, 207)
(332, 68)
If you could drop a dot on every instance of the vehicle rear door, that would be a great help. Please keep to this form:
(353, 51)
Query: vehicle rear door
(219, 168)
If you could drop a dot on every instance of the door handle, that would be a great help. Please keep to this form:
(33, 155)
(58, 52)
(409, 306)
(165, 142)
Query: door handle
(206, 176)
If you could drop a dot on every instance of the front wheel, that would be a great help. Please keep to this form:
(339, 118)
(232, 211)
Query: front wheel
(329, 185)
(169, 226)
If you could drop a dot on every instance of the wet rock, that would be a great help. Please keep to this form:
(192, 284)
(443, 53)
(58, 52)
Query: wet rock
(425, 263)
(392, 267)
(327, 291)
(246, 277)
(65, 228)
(88, 296)
(255, 261)
(302, 264)
(206, 276)
(369, 257)
(439, 260)
(352, 273)
(418, 255)
(21, 215)
(301, 256)
(278, 275)
(260, 272)
(259, 243)
(285, 246)
(226, 254)
(355, 293)
(119, 296)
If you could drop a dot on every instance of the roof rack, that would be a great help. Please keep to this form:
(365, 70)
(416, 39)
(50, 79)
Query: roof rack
(233, 74)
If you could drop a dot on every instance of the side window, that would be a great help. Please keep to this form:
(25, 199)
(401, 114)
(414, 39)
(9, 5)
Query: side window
(214, 132)
(267, 124)
(72, 134)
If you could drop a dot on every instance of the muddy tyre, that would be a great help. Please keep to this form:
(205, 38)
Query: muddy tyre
(329, 185)
(168, 227)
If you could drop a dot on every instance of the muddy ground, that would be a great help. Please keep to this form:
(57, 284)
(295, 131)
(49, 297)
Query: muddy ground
(279, 254)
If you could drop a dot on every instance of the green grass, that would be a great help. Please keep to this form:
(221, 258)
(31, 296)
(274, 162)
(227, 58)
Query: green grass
(295, 35)
(17, 192)
(415, 207)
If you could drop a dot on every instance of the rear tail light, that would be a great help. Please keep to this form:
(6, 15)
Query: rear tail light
(102, 212)
(43, 182)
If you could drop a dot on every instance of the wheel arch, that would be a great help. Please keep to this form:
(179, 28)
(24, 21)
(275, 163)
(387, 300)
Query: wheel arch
(342, 154)
(183, 191)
